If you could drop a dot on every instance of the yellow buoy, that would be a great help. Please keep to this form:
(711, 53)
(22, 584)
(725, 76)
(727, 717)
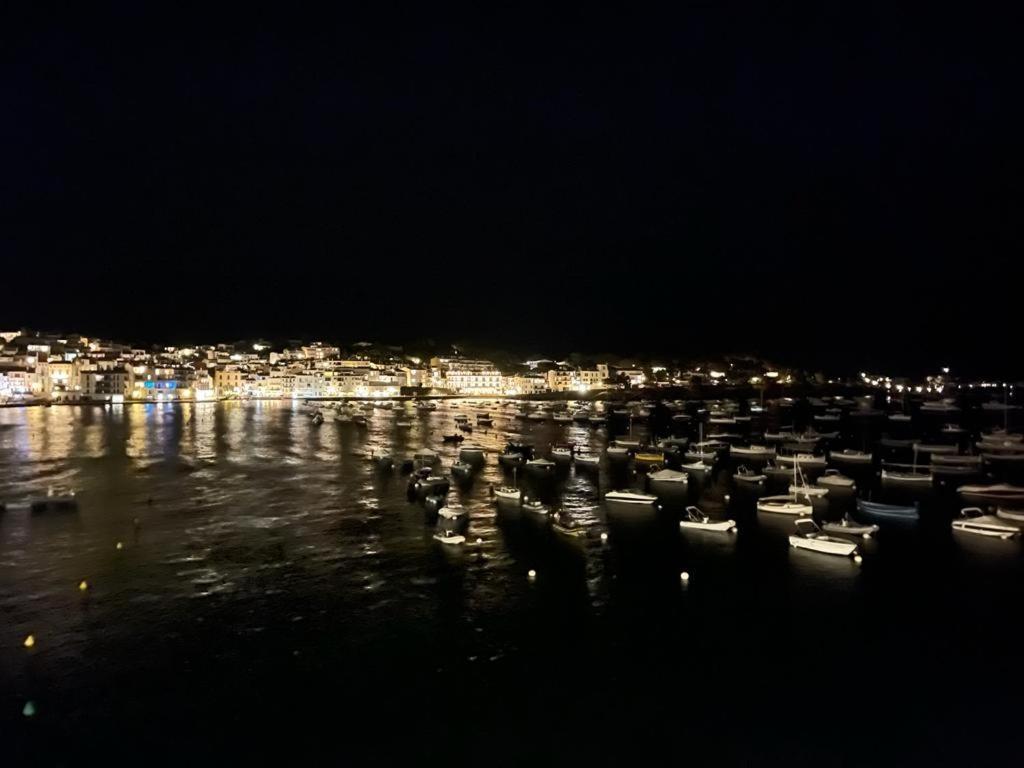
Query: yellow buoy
(83, 585)
(30, 641)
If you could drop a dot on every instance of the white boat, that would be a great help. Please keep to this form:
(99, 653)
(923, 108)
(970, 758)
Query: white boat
(507, 493)
(669, 477)
(974, 520)
(809, 536)
(452, 511)
(745, 475)
(1010, 514)
(536, 507)
(783, 505)
(815, 491)
(540, 466)
(629, 444)
(697, 519)
(803, 459)
(563, 418)
(564, 525)
(697, 466)
(561, 453)
(851, 457)
(403, 423)
(833, 479)
(850, 527)
(588, 459)
(906, 478)
(449, 537)
(998, 493)
(628, 497)
(751, 451)
(617, 452)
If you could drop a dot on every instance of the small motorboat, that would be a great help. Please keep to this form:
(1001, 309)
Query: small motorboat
(452, 510)
(450, 537)
(564, 525)
(784, 505)
(851, 457)
(695, 518)
(669, 478)
(472, 454)
(752, 452)
(535, 506)
(850, 527)
(801, 459)
(562, 418)
(834, 479)
(887, 513)
(456, 438)
(1010, 514)
(898, 477)
(974, 520)
(432, 485)
(511, 460)
(484, 421)
(992, 494)
(462, 469)
(617, 453)
(318, 418)
(629, 497)
(698, 467)
(403, 423)
(540, 466)
(507, 493)
(629, 444)
(562, 453)
(464, 427)
(744, 474)
(809, 536)
(587, 459)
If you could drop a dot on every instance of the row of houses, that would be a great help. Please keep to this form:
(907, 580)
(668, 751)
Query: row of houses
(71, 368)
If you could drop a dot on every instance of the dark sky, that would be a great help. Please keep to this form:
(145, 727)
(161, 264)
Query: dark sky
(836, 186)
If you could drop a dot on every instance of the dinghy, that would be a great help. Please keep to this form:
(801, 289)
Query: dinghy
(565, 526)
(697, 519)
(850, 527)
(877, 512)
(992, 494)
(540, 466)
(783, 505)
(974, 520)
(536, 507)
(809, 536)
(744, 474)
(462, 469)
(851, 457)
(669, 478)
(1010, 514)
(449, 537)
(451, 511)
(507, 493)
(833, 479)
(628, 497)
(588, 459)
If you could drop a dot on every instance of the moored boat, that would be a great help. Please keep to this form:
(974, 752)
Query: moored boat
(877, 512)
(696, 519)
(974, 520)
(784, 505)
(809, 536)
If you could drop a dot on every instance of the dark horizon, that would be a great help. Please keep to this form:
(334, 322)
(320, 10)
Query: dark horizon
(836, 190)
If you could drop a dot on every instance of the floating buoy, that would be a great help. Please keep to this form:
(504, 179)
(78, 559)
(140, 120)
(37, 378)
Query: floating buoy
(30, 641)
(479, 540)
(119, 545)
(604, 536)
(734, 529)
(83, 585)
(684, 576)
(531, 574)
(866, 536)
(858, 559)
(29, 709)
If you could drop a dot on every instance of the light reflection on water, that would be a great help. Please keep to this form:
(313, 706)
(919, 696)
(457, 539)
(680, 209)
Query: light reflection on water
(253, 538)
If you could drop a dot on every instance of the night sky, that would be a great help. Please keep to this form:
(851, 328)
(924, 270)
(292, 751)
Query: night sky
(830, 187)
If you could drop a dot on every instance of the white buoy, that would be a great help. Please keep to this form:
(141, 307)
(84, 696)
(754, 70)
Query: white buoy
(479, 540)
(531, 574)
(604, 536)
(858, 559)
(119, 545)
(684, 576)
(866, 536)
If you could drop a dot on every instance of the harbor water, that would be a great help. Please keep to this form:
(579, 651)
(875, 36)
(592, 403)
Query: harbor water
(240, 585)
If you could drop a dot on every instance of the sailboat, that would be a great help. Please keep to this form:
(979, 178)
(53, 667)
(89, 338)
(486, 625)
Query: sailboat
(800, 487)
